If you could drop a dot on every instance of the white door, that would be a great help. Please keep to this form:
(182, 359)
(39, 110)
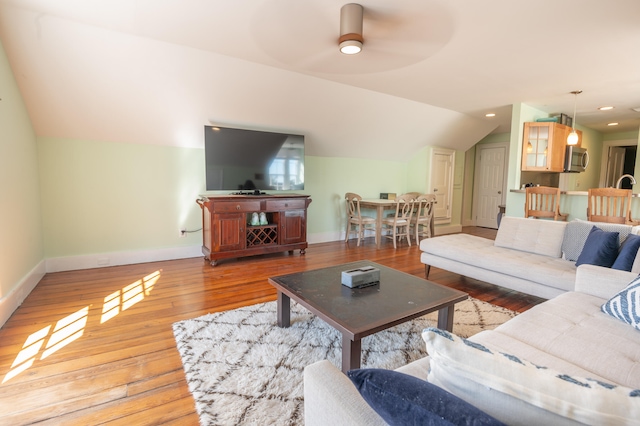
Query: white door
(615, 166)
(490, 172)
(442, 182)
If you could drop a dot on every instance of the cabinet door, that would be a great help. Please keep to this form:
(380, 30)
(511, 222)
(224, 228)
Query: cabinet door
(543, 146)
(228, 232)
(535, 149)
(293, 226)
(441, 182)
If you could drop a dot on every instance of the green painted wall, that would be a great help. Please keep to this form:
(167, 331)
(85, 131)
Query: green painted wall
(327, 179)
(100, 197)
(21, 247)
(418, 171)
(109, 197)
(620, 136)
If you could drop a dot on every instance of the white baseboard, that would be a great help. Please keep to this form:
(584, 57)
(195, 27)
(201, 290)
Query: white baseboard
(14, 299)
(102, 260)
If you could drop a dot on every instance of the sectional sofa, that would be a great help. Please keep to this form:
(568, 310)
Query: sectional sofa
(564, 362)
(531, 256)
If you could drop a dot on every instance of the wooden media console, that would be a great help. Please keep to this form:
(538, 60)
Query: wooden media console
(227, 231)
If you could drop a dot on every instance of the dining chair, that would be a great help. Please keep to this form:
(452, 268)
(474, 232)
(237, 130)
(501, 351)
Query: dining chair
(415, 195)
(543, 202)
(398, 225)
(422, 216)
(610, 205)
(356, 222)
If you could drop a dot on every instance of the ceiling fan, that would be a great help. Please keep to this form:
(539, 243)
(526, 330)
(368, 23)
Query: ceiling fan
(306, 35)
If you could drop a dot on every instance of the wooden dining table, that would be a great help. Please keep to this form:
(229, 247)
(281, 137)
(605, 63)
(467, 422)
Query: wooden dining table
(380, 205)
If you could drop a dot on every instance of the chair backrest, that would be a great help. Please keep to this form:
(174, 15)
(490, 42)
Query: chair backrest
(353, 205)
(404, 207)
(424, 207)
(610, 205)
(415, 195)
(542, 202)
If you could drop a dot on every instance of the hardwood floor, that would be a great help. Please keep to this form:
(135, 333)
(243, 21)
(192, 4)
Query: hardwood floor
(96, 346)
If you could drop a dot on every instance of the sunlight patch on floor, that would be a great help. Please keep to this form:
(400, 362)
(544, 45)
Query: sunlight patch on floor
(72, 327)
(128, 296)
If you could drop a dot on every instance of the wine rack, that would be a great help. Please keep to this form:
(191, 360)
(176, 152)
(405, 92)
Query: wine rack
(262, 235)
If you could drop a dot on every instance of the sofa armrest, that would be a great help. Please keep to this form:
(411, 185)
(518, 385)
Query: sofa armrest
(600, 281)
(331, 399)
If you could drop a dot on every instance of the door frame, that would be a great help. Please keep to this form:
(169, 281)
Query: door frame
(446, 152)
(476, 175)
(605, 156)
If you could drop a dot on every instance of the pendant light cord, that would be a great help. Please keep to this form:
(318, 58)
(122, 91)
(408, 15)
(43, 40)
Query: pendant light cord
(575, 102)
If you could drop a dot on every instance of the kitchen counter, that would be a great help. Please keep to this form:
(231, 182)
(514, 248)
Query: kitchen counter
(522, 191)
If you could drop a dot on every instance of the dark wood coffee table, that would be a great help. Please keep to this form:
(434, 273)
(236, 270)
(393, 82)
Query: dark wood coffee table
(357, 313)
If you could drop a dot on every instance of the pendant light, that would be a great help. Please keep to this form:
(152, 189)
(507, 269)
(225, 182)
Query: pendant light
(572, 139)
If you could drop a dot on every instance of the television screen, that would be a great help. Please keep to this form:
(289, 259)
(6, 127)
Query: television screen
(248, 161)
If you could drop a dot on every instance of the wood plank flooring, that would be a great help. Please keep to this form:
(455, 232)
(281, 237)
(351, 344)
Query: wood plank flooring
(96, 346)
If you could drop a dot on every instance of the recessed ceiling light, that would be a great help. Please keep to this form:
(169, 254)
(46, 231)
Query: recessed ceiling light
(612, 124)
(605, 108)
(491, 114)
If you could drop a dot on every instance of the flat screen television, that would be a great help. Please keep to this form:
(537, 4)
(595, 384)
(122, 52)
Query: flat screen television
(252, 161)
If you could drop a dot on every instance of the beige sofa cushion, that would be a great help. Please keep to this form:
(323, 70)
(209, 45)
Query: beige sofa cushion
(531, 235)
(466, 249)
(572, 334)
(509, 379)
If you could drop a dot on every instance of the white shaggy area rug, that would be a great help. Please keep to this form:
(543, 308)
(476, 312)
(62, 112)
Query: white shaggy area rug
(243, 369)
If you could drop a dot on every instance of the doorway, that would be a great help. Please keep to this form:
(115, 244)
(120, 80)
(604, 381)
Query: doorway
(621, 159)
(441, 183)
(489, 183)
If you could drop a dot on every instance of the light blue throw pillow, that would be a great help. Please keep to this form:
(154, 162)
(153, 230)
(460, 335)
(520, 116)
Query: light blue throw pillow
(625, 305)
(628, 252)
(601, 248)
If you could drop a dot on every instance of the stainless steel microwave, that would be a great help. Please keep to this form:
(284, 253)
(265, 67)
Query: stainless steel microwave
(576, 159)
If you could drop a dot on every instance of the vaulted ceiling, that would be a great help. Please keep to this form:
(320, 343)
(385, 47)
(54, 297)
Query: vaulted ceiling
(157, 71)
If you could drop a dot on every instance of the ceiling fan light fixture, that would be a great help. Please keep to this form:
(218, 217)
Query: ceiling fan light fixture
(350, 47)
(351, 39)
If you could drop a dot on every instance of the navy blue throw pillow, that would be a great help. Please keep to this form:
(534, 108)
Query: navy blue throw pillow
(601, 248)
(627, 254)
(401, 399)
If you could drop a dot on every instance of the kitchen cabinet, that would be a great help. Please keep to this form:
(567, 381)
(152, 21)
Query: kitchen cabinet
(543, 146)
